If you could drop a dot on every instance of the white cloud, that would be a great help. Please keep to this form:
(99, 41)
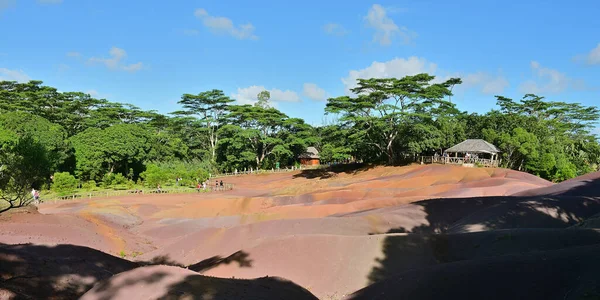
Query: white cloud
(4, 4)
(225, 25)
(335, 29)
(50, 1)
(591, 58)
(314, 92)
(249, 95)
(485, 82)
(549, 81)
(395, 68)
(13, 75)
(74, 54)
(385, 28)
(115, 61)
(488, 83)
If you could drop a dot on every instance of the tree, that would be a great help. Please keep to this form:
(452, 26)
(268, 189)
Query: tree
(24, 165)
(114, 149)
(211, 108)
(51, 136)
(385, 108)
(261, 129)
(263, 99)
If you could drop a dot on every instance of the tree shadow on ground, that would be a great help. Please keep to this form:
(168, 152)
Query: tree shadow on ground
(470, 229)
(332, 171)
(30, 271)
(203, 287)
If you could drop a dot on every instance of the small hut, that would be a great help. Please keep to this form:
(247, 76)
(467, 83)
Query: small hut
(310, 157)
(487, 152)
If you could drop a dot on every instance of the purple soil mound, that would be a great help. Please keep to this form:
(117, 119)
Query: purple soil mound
(583, 186)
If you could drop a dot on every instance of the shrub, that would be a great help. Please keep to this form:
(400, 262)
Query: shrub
(64, 182)
(165, 173)
(89, 186)
(112, 179)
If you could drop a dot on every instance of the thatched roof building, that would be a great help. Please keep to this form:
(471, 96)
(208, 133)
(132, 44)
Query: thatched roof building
(474, 146)
(310, 156)
(311, 152)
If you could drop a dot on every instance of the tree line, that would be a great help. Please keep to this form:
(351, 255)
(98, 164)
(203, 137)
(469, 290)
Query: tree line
(387, 121)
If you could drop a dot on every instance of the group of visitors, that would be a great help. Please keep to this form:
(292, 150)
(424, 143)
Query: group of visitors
(204, 185)
(36, 196)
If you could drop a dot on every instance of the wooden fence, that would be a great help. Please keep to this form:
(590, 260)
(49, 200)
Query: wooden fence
(488, 163)
(257, 172)
(106, 194)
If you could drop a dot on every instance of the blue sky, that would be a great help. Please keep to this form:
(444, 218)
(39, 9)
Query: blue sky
(148, 53)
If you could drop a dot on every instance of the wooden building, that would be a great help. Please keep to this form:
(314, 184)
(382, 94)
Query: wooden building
(310, 157)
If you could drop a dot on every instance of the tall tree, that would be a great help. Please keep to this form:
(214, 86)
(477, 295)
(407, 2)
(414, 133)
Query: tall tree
(263, 99)
(385, 108)
(24, 164)
(211, 107)
(261, 128)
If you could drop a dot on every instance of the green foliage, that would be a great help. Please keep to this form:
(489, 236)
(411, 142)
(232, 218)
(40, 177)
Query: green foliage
(24, 165)
(110, 150)
(64, 182)
(113, 179)
(89, 185)
(392, 116)
(51, 136)
(44, 131)
(166, 173)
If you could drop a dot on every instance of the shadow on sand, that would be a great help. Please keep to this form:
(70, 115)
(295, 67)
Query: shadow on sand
(494, 248)
(67, 272)
(333, 170)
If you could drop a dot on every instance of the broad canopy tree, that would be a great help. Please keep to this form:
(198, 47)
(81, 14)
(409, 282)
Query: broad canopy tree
(210, 108)
(387, 110)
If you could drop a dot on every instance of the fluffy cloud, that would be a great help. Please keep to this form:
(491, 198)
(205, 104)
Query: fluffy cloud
(248, 95)
(314, 92)
(395, 68)
(334, 29)
(115, 61)
(225, 25)
(50, 1)
(486, 83)
(13, 75)
(549, 81)
(591, 58)
(385, 28)
(489, 84)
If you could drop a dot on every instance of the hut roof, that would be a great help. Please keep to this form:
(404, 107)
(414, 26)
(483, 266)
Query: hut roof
(474, 146)
(311, 152)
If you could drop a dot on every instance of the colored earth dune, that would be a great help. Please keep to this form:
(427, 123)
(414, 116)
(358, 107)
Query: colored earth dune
(415, 232)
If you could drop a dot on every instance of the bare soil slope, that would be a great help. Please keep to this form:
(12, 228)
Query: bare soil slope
(329, 232)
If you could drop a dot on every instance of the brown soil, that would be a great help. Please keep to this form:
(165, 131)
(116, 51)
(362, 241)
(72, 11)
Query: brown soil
(330, 233)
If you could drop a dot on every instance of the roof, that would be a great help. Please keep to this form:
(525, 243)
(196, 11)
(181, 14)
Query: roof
(474, 146)
(311, 152)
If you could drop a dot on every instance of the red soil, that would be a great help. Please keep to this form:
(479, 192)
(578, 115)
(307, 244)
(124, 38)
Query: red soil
(332, 234)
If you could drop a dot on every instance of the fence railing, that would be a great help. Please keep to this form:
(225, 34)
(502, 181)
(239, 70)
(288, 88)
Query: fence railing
(257, 172)
(459, 161)
(106, 194)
